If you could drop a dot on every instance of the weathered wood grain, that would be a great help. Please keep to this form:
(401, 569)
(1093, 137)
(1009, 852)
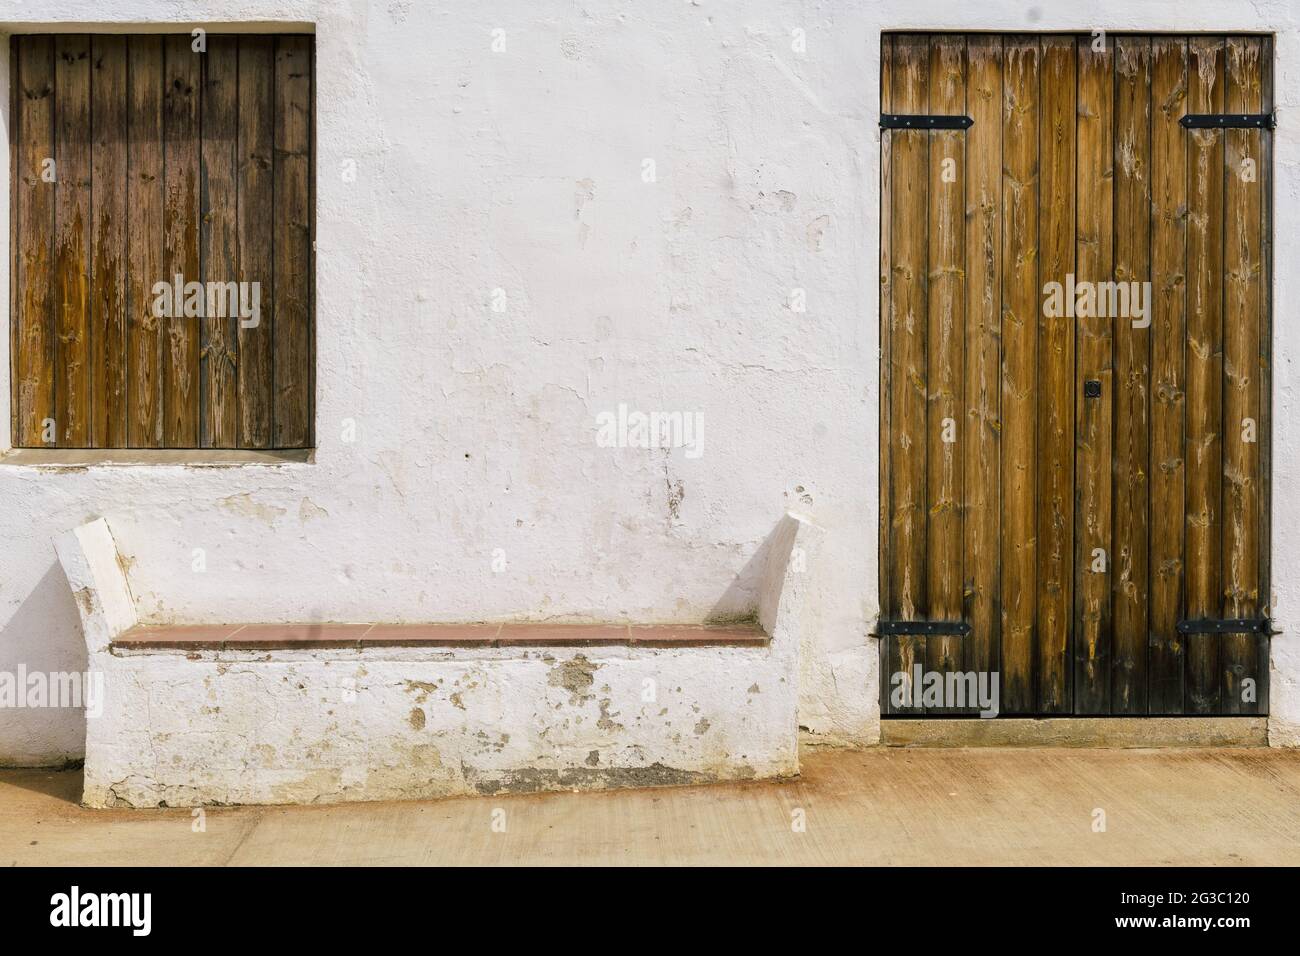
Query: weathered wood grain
(945, 355)
(146, 260)
(1133, 377)
(256, 250)
(981, 439)
(143, 164)
(1243, 306)
(884, 522)
(1265, 380)
(218, 243)
(1020, 309)
(909, 82)
(72, 369)
(108, 263)
(1168, 375)
(1203, 521)
(1090, 527)
(1094, 417)
(34, 337)
(1056, 391)
(15, 121)
(181, 136)
(293, 334)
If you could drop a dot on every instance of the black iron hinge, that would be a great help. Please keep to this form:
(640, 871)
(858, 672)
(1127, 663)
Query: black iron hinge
(910, 628)
(1232, 625)
(923, 122)
(1228, 121)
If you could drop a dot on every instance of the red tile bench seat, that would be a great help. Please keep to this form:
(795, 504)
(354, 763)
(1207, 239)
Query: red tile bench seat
(315, 636)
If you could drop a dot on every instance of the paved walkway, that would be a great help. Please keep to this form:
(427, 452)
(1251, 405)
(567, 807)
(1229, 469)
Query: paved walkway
(880, 806)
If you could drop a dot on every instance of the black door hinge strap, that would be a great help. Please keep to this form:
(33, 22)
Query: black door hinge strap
(1228, 121)
(1232, 625)
(923, 122)
(909, 628)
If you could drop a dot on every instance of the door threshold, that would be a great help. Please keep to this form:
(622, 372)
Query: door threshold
(1118, 732)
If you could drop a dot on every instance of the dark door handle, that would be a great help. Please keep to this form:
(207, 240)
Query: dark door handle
(1092, 389)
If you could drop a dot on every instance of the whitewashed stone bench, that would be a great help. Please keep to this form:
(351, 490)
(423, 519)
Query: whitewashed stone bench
(285, 713)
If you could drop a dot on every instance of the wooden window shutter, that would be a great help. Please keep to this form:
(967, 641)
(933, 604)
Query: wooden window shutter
(138, 159)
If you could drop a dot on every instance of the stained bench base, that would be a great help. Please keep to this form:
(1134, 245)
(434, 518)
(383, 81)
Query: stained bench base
(189, 728)
(270, 714)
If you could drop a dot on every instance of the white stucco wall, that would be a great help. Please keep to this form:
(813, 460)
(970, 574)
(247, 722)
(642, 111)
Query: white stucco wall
(522, 170)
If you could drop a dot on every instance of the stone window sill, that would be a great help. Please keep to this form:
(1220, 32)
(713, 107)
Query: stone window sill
(81, 458)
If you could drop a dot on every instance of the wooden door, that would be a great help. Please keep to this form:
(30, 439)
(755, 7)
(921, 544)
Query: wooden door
(1075, 331)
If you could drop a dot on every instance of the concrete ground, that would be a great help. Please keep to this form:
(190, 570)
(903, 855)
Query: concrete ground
(878, 806)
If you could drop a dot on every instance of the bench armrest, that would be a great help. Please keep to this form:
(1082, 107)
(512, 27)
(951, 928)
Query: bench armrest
(94, 570)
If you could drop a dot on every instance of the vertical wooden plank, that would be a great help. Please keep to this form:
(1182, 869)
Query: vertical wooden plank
(1094, 253)
(108, 241)
(1168, 376)
(311, 245)
(15, 132)
(145, 241)
(981, 445)
(945, 366)
(908, 331)
(1265, 380)
(218, 248)
(1204, 521)
(15, 169)
(256, 137)
(886, 549)
(1055, 399)
(71, 239)
(1132, 373)
(1243, 304)
(181, 135)
(293, 256)
(33, 340)
(1020, 306)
